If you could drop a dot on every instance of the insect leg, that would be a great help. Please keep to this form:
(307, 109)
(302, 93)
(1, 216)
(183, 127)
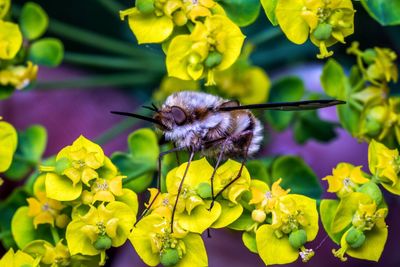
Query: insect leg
(180, 189)
(221, 153)
(160, 156)
(249, 137)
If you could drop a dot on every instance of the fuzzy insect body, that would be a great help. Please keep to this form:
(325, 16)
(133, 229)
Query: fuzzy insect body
(205, 128)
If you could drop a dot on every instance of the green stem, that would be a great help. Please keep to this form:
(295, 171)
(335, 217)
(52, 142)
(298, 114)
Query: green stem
(112, 6)
(125, 79)
(25, 160)
(265, 36)
(98, 41)
(55, 235)
(5, 234)
(114, 62)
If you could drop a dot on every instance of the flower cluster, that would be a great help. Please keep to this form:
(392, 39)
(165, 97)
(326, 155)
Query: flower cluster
(275, 224)
(326, 22)
(197, 36)
(372, 113)
(77, 211)
(356, 221)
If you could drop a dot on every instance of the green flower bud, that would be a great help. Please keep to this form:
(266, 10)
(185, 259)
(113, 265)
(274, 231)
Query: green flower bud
(258, 216)
(214, 59)
(145, 6)
(323, 32)
(61, 165)
(369, 56)
(169, 257)
(103, 242)
(355, 238)
(298, 238)
(374, 120)
(204, 190)
(372, 189)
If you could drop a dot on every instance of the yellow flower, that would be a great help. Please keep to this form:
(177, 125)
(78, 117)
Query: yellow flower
(153, 21)
(10, 39)
(345, 179)
(212, 45)
(100, 228)
(43, 209)
(18, 258)
(327, 22)
(4, 7)
(48, 254)
(19, 76)
(83, 157)
(8, 144)
(105, 190)
(250, 85)
(154, 243)
(264, 198)
(384, 164)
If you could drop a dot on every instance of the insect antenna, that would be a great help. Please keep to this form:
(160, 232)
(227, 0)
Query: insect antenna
(149, 108)
(155, 107)
(137, 116)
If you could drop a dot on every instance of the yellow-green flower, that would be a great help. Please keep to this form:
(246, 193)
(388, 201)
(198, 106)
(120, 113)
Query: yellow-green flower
(212, 45)
(101, 228)
(327, 22)
(46, 210)
(294, 222)
(19, 76)
(250, 85)
(345, 179)
(170, 85)
(10, 39)
(57, 255)
(18, 258)
(364, 225)
(153, 21)
(384, 164)
(154, 243)
(4, 7)
(75, 166)
(8, 144)
(265, 198)
(104, 190)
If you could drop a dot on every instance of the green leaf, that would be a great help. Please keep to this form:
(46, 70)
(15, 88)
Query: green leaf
(299, 177)
(328, 209)
(310, 126)
(384, 11)
(269, 8)
(48, 52)
(32, 142)
(349, 118)
(249, 240)
(33, 21)
(241, 12)
(6, 91)
(258, 169)
(130, 167)
(140, 183)
(7, 210)
(284, 90)
(143, 145)
(332, 79)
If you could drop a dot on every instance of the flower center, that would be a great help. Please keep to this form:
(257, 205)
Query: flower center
(102, 186)
(45, 207)
(268, 195)
(101, 227)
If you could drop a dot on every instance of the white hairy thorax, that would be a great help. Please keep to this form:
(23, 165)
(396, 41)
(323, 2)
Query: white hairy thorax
(214, 125)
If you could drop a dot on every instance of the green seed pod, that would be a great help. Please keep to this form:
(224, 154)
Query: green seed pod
(372, 189)
(145, 6)
(169, 257)
(204, 190)
(298, 238)
(214, 59)
(61, 165)
(355, 238)
(369, 56)
(322, 32)
(103, 242)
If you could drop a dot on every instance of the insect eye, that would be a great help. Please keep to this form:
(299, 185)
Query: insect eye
(179, 115)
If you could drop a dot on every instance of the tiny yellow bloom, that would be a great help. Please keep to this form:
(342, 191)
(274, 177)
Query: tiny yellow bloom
(106, 189)
(18, 258)
(263, 197)
(10, 39)
(48, 254)
(43, 209)
(19, 76)
(345, 179)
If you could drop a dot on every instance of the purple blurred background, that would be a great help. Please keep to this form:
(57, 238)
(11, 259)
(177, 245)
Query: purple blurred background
(69, 112)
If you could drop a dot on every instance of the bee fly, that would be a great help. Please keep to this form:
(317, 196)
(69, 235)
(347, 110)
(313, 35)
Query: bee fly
(214, 127)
